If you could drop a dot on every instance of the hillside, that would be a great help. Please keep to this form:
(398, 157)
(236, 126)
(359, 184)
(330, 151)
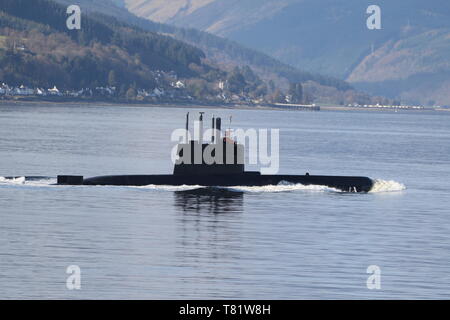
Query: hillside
(53, 55)
(418, 66)
(406, 59)
(116, 49)
(220, 51)
(109, 59)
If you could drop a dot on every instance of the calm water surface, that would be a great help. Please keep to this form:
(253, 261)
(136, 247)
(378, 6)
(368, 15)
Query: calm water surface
(285, 242)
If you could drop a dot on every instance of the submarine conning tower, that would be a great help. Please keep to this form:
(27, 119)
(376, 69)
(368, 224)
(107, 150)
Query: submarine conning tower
(222, 156)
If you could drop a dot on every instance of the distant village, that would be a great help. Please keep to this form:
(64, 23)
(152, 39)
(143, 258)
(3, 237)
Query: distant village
(161, 91)
(168, 89)
(175, 92)
(107, 91)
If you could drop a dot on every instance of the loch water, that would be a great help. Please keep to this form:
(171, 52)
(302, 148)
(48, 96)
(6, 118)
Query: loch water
(274, 242)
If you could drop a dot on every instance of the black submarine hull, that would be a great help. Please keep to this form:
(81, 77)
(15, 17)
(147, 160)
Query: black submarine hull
(346, 184)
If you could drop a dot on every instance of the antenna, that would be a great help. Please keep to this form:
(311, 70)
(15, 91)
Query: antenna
(187, 127)
(219, 128)
(213, 128)
(200, 136)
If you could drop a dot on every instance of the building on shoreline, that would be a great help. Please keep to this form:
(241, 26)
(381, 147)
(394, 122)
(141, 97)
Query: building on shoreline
(379, 106)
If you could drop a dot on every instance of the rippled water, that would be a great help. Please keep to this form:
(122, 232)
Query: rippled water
(279, 242)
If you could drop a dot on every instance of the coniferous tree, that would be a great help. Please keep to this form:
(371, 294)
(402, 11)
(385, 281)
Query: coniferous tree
(296, 92)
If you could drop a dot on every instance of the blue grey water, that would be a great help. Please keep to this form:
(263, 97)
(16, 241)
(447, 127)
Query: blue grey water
(285, 242)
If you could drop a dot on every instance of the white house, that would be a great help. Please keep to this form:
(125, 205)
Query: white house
(5, 89)
(108, 91)
(158, 92)
(54, 91)
(143, 93)
(23, 91)
(179, 84)
(40, 92)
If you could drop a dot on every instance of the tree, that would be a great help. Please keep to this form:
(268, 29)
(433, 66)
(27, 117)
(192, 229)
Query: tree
(271, 86)
(131, 94)
(249, 75)
(308, 98)
(122, 91)
(198, 88)
(278, 96)
(261, 90)
(296, 92)
(236, 81)
(112, 80)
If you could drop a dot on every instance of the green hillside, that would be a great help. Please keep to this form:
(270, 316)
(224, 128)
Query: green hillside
(224, 52)
(53, 55)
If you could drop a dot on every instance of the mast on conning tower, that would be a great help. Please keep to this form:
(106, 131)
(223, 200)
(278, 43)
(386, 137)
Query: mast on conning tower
(213, 129)
(187, 127)
(200, 129)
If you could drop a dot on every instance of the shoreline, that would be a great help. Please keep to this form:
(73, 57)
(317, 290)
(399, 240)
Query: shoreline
(131, 104)
(201, 105)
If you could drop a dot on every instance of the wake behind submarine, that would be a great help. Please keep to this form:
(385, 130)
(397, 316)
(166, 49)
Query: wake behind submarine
(226, 170)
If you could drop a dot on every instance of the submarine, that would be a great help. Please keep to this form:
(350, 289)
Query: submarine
(225, 170)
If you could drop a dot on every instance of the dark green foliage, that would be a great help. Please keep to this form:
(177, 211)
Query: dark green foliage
(231, 49)
(131, 94)
(236, 81)
(278, 97)
(244, 80)
(296, 92)
(105, 51)
(112, 79)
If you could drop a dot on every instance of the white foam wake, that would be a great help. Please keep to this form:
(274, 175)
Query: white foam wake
(17, 180)
(27, 181)
(380, 185)
(169, 188)
(283, 187)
